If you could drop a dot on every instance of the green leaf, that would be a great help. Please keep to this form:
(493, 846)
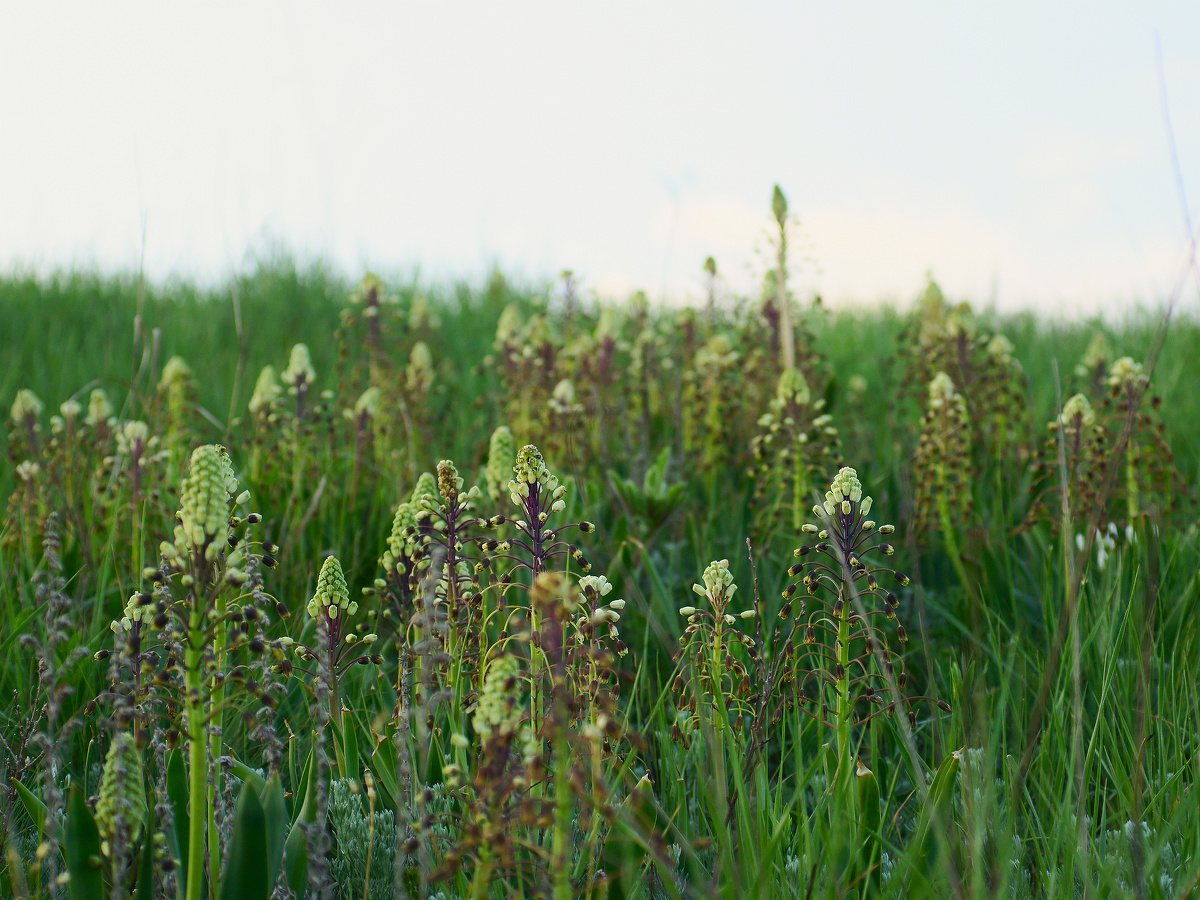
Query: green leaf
(350, 746)
(145, 879)
(177, 793)
(868, 824)
(295, 848)
(246, 875)
(277, 822)
(33, 805)
(82, 850)
(383, 764)
(247, 775)
(924, 842)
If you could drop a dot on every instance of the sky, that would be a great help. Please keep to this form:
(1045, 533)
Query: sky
(1019, 152)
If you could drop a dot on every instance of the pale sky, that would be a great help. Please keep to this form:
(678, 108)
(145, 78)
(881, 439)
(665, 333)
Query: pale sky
(1016, 150)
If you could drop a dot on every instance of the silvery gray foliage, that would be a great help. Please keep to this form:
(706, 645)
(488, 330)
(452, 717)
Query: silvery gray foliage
(353, 832)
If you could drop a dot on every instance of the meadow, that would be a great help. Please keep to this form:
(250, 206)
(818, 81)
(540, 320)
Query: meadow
(374, 590)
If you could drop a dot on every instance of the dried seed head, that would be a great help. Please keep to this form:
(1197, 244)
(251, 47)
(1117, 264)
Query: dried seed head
(449, 482)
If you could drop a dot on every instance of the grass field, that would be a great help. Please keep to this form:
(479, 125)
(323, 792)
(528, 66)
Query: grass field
(998, 698)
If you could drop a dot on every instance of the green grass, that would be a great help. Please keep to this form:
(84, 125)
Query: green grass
(1119, 738)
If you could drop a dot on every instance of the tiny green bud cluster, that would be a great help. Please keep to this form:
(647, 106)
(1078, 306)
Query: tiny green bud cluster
(266, 392)
(499, 713)
(122, 793)
(331, 596)
(502, 451)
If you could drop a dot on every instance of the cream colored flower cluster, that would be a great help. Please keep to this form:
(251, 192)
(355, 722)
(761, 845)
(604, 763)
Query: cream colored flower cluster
(266, 392)
(204, 506)
(718, 589)
(531, 469)
(300, 369)
(1077, 409)
(26, 406)
(596, 588)
(845, 490)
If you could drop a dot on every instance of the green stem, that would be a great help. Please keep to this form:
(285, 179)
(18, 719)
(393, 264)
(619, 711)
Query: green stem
(1131, 482)
(950, 536)
(844, 708)
(798, 491)
(560, 850)
(197, 758)
(483, 876)
(220, 639)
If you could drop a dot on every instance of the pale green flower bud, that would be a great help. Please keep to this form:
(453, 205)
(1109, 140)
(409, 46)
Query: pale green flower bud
(26, 406)
(175, 374)
(99, 409)
(779, 205)
(530, 466)
(1124, 372)
(372, 288)
(136, 611)
(331, 593)
(204, 499)
(502, 451)
(1077, 407)
(133, 436)
(1098, 352)
(399, 545)
(266, 391)
(793, 387)
(497, 712)
(426, 486)
(941, 389)
(419, 374)
(122, 792)
(300, 369)
(718, 581)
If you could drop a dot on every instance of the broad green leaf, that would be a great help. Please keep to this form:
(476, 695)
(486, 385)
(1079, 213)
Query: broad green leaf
(246, 874)
(277, 823)
(82, 850)
(33, 805)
